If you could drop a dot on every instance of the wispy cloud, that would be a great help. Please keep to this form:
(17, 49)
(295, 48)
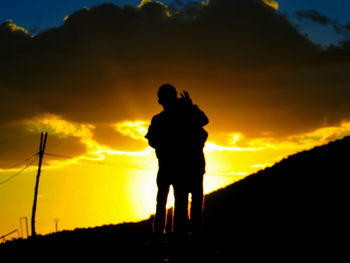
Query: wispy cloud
(56, 125)
(304, 140)
(322, 19)
(134, 129)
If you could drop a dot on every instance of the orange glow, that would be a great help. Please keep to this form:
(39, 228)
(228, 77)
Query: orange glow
(109, 186)
(92, 85)
(271, 3)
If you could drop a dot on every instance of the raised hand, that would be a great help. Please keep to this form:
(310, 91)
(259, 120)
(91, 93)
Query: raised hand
(186, 97)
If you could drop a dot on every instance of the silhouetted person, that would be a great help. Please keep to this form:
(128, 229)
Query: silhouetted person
(178, 137)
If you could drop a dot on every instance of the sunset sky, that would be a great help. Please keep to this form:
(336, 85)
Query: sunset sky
(272, 76)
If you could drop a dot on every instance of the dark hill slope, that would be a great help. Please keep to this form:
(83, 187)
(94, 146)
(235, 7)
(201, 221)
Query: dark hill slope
(295, 209)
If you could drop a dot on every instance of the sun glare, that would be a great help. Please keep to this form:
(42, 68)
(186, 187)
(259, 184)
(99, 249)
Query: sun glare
(106, 185)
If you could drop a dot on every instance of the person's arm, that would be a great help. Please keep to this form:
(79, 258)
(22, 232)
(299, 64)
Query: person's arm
(150, 136)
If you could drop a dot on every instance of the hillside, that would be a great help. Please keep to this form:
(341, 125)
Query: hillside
(295, 209)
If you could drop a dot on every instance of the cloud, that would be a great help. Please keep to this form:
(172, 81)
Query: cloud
(243, 63)
(271, 3)
(55, 125)
(323, 20)
(11, 32)
(134, 129)
(18, 143)
(304, 140)
(314, 16)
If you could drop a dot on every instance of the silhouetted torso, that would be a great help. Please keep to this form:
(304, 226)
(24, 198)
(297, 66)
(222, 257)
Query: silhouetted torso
(178, 138)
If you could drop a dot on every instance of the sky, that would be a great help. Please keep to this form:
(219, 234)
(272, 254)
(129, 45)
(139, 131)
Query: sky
(89, 77)
(39, 15)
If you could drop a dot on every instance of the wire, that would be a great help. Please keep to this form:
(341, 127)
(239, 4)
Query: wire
(20, 171)
(59, 155)
(21, 162)
(70, 157)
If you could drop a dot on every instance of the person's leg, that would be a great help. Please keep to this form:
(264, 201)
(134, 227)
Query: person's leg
(197, 210)
(180, 211)
(160, 216)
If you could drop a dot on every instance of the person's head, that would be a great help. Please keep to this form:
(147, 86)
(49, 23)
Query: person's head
(167, 95)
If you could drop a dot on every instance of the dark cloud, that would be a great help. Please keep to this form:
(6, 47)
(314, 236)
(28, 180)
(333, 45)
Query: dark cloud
(347, 27)
(18, 144)
(243, 63)
(105, 134)
(11, 33)
(323, 20)
(314, 16)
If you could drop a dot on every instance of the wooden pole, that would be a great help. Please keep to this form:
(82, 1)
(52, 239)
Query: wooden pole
(26, 221)
(41, 155)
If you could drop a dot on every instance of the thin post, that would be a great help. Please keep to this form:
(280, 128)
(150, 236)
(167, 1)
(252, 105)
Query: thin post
(56, 224)
(26, 221)
(41, 155)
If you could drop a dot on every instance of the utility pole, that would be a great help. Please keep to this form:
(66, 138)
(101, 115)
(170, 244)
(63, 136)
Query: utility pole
(41, 155)
(20, 222)
(56, 224)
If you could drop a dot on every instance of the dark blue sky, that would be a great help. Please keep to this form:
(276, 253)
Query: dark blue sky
(38, 15)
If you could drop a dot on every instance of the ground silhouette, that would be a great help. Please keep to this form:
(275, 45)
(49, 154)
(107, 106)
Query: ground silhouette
(296, 209)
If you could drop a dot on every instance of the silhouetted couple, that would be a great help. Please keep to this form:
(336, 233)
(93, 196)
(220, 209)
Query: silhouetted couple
(178, 137)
